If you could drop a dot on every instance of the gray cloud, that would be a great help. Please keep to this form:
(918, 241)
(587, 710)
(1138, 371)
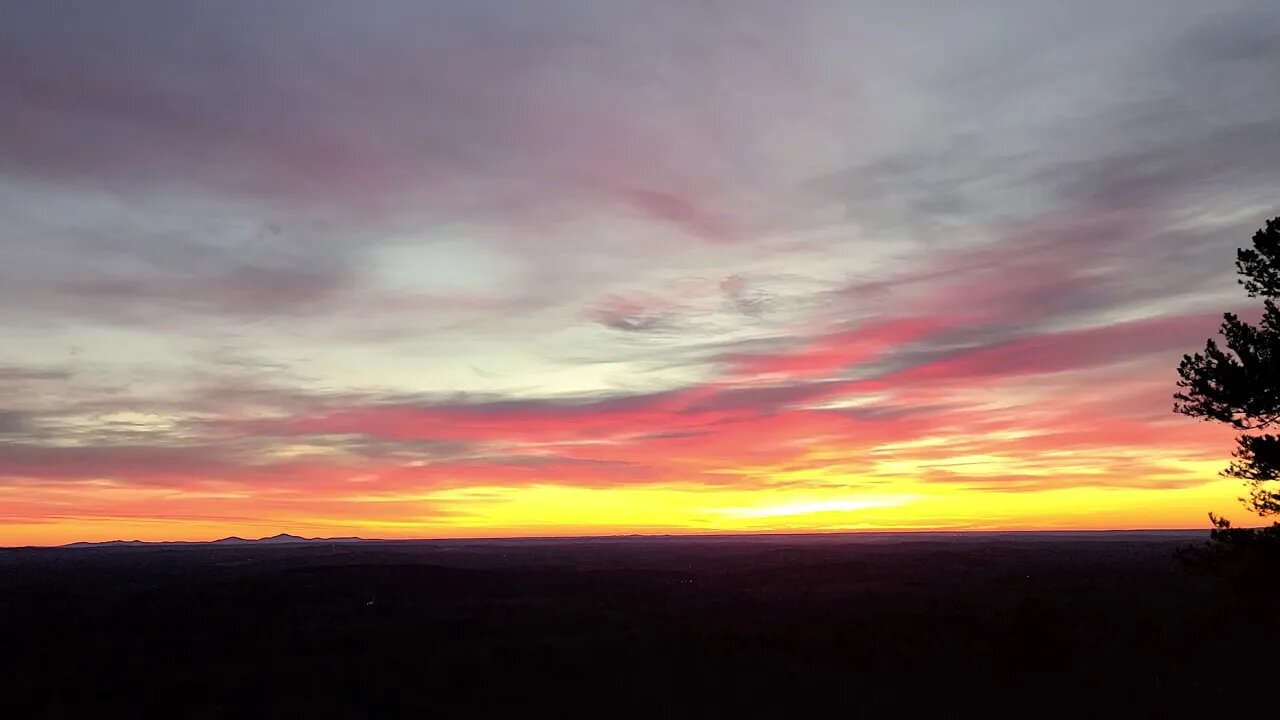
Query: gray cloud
(635, 314)
(13, 422)
(331, 128)
(22, 374)
(744, 298)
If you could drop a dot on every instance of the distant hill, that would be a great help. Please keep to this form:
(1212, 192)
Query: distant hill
(837, 538)
(281, 539)
(108, 542)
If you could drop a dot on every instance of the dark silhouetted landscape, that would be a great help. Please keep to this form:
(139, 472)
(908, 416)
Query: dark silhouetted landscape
(871, 625)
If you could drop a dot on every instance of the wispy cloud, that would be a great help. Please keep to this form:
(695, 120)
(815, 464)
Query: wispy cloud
(299, 254)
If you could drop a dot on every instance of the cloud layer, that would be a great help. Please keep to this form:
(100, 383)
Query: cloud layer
(489, 268)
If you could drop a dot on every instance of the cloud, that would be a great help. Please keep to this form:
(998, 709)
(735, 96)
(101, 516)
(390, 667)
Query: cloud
(744, 298)
(288, 248)
(23, 374)
(636, 314)
(680, 212)
(13, 422)
(252, 290)
(1071, 350)
(829, 355)
(129, 463)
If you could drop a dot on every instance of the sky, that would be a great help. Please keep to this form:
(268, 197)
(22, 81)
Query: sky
(467, 268)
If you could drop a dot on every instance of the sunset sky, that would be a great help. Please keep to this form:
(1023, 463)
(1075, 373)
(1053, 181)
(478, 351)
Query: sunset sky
(477, 268)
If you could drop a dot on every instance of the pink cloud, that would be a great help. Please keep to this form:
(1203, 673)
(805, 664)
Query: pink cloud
(680, 212)
(829, 354)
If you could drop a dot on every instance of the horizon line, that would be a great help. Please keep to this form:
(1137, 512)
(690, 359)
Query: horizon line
(76, 544)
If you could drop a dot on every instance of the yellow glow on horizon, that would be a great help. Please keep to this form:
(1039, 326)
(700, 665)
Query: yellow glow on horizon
(815, 507)
(548, 510)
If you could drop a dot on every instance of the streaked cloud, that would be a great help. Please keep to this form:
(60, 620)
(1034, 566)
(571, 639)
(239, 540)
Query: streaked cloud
(442, 267)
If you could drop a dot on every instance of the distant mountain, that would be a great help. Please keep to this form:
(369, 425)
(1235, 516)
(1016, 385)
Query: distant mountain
(281, 539)
(284, 539)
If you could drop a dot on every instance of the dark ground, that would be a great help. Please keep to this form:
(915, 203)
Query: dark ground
(799, 626)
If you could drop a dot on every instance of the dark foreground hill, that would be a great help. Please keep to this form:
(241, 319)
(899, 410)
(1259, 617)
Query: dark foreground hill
(886, 626)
